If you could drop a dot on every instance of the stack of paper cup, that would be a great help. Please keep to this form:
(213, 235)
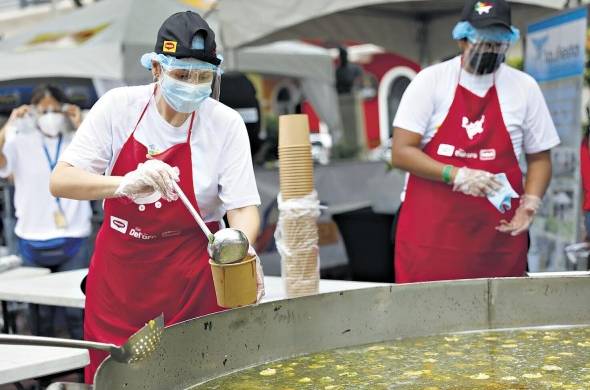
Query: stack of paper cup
(295, 164)
(300, 267)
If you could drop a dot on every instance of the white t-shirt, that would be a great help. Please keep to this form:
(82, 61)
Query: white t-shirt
(34, 204)
(427, 100)
(223, 175)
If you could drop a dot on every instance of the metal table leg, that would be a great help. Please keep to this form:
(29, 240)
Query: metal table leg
(36, 325)
(4, 317)
(9, 325)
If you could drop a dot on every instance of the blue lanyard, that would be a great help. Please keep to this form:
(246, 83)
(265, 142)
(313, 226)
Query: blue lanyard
(53, 162)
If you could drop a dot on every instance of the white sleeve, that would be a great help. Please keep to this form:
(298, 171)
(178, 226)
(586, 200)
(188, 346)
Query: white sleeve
(417, 104)
(10, 153)
(237, 182)
(91, 149)
(539, 131)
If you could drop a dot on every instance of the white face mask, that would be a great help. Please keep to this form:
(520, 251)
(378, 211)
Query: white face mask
(52, 123)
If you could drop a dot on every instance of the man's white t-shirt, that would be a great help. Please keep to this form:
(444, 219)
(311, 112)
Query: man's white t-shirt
(34, 204)
(427, 100)
(223, 175)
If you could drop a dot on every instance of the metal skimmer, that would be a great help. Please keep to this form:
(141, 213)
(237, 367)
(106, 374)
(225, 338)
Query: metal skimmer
(138, 347)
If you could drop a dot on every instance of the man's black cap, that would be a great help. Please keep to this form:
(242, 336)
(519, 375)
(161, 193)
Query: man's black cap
(176, 35)
(487, 13)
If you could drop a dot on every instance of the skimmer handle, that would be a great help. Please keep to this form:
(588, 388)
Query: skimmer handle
(54, 342)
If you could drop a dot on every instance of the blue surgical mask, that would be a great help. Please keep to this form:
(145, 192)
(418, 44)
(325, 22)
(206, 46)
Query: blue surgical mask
(182, 96)
(502, 199)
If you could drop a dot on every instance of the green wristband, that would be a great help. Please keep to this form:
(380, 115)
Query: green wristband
(446, 174)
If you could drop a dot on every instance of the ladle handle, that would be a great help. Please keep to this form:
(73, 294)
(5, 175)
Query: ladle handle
(54, 342)
(192, 210)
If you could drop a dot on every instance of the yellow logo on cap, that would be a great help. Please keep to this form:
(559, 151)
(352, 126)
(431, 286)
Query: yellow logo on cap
(169, 47)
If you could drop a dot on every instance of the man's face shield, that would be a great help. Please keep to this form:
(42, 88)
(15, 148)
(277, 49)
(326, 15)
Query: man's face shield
(486, 47)
(484, 57)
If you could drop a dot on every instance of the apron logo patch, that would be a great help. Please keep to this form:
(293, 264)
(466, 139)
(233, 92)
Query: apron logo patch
(153, 150)
(460, 153)
(119, 224)
(137, 233)
(473, 128)
(487, 154)
(169, 47)
(445, 150)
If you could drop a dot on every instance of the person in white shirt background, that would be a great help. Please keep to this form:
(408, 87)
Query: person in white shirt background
(461, 128)
(52, 232)
(150, 256)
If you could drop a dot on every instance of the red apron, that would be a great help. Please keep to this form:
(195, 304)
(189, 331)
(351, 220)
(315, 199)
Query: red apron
(445, 235)
(149, 258)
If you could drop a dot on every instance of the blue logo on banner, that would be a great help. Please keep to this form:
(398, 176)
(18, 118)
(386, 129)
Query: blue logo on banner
(557, 46)
(539, 44)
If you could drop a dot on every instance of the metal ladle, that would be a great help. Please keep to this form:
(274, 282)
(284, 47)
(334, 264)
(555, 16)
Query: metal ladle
(226, 245)
(138, 347)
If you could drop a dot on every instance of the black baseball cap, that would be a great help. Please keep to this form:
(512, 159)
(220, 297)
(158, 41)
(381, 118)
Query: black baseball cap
(487, 13)
(175, 38)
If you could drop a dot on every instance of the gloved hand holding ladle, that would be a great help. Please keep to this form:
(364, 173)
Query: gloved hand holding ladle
(226, 245)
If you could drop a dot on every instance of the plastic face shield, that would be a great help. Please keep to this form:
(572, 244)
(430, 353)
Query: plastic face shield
(217, 85)
(192, 76)
(486, 47)
(484, 57)
(187, 70)
(464, 30)
(45, 110)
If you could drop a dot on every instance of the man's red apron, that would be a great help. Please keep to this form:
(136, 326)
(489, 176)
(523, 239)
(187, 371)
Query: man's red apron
(148, 259)
(444, 235)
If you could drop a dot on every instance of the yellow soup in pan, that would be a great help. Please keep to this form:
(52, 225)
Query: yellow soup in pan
(536, 358)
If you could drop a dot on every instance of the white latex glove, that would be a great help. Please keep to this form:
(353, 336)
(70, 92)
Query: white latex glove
(523, 217)
(149, 177)
(475, 182)
(259, 275)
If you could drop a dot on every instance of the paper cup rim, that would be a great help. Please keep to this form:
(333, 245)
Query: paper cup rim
(248, 259)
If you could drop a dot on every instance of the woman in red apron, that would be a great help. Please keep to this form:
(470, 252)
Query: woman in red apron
(150, 256)
(449, 226)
